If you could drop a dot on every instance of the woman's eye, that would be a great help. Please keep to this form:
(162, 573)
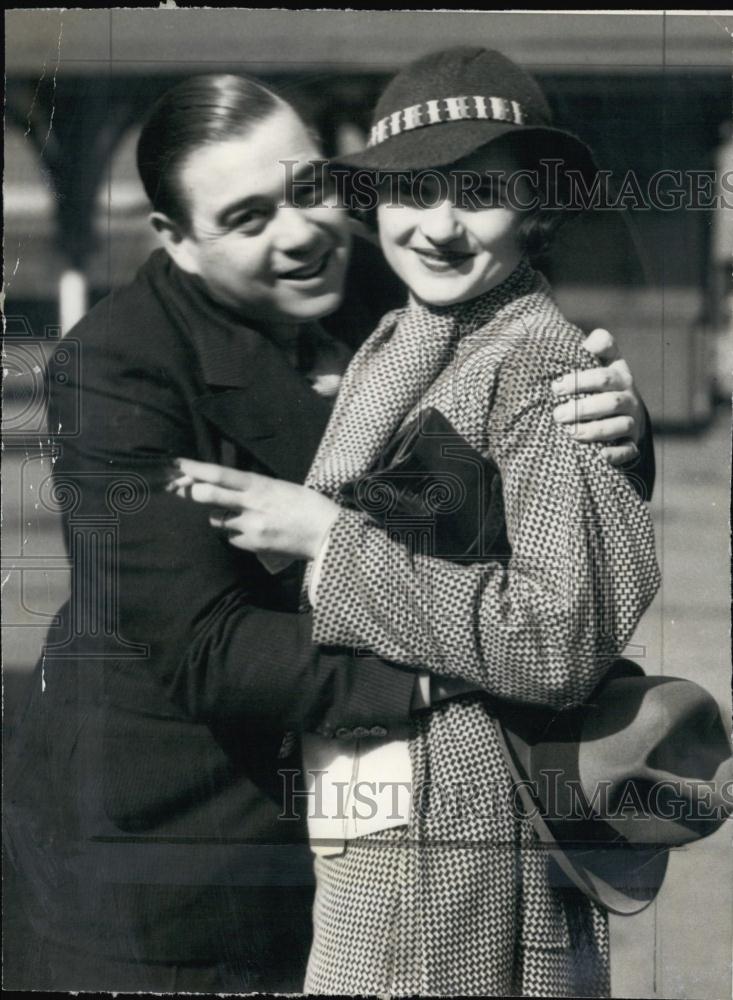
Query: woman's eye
(414, 191)
(406, 189)
(490, 195)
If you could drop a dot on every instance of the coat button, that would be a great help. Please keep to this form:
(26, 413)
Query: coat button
(378, 731)
(343, 733)
(361, 731)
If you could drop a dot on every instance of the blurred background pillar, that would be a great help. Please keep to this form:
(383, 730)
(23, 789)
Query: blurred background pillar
(73, 298)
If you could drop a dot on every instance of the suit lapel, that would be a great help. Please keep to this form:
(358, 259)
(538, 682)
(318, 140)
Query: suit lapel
(278, 420)
(250, 393)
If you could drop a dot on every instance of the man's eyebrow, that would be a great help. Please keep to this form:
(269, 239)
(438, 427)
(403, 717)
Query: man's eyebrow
(305, 173)
(310, 167)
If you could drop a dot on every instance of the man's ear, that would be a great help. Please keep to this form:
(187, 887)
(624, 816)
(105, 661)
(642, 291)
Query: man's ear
(177, 243)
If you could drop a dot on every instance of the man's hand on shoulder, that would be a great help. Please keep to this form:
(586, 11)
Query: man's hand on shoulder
(611, 410)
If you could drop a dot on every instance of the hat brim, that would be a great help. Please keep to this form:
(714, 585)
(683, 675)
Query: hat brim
(621, 878)
(447, 143)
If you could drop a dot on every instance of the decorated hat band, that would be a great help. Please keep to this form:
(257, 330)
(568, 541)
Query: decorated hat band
(446, 109)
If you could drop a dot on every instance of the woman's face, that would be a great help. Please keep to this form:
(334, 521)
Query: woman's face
(441, 240)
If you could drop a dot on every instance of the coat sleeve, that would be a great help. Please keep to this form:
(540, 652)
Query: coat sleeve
(642, 471)
(542, 628)
(198, 611)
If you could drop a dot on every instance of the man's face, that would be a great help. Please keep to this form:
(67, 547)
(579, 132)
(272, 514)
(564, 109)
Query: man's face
(273, 262)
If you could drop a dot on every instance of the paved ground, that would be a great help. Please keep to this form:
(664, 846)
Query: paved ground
(681, 946)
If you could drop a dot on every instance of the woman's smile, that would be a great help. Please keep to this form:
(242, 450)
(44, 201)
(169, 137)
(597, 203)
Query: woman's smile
(442, 260)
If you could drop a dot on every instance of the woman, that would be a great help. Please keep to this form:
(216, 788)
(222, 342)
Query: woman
(540, 559)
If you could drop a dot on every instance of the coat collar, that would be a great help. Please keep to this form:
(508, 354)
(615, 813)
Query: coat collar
(251, 392)
(471, 315)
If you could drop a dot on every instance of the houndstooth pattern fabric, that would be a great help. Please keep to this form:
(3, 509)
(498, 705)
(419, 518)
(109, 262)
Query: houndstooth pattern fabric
(387, 377)
(544, 628)
(384, 382)
(440, 907)
(470, 900)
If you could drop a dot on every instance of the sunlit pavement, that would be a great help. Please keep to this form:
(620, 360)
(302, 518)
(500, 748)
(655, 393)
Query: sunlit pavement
(681, 946)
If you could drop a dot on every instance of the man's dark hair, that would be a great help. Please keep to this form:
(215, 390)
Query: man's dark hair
(194, 113)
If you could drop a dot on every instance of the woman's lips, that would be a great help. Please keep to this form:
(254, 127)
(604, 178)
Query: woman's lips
(442, 260)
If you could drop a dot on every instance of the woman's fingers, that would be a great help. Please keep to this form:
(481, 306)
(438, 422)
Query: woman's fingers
(237, 527)
(233, 487)
(227, 520)
(180, 485)
(262, 514)
(217, 496)
(218, 475)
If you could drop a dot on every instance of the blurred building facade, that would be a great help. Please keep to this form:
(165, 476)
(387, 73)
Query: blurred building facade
(649, 93)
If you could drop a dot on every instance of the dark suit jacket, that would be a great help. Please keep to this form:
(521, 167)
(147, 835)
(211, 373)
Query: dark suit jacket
(144, 792)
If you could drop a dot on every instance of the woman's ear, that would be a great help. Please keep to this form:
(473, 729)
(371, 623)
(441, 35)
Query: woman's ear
(179, 245)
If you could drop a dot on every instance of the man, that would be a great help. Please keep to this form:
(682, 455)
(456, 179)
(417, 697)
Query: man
(144, 801)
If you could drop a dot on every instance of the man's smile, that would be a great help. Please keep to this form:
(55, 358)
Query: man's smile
(313, 269)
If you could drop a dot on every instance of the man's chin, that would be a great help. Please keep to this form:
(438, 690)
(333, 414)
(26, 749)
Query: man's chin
(316, 307)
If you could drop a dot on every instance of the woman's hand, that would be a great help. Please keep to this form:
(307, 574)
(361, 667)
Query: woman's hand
(260, 514)
(612, 412)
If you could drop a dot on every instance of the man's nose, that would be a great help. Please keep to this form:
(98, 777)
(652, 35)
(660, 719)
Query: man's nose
(296, 229)
(440, 223)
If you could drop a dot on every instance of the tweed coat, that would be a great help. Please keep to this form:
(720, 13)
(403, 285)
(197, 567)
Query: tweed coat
(529, 591)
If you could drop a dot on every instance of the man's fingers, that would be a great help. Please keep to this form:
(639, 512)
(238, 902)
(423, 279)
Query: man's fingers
(601, 343)
(605, 404)
(615, 376)
(600, 430)
(620, 454)
(219, 475)
(579, 382)
(623, 379)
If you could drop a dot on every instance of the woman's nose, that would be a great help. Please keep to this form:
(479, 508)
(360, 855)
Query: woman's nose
(440, 223)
